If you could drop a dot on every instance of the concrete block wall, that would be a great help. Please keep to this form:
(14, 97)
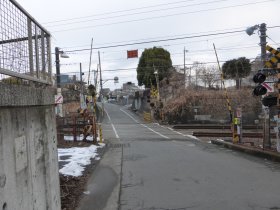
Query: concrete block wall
(29, 176)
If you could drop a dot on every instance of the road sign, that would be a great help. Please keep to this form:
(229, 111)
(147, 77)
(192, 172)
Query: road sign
(58, 99)
(238, 112)
(132, 54)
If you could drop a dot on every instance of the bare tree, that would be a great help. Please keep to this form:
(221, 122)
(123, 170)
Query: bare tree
(198, 69)
(208, 75)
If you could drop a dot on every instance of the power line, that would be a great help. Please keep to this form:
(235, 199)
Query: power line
(273, 41)
(196, 51)
(160, 37)
(177, 53)
(154, 41)
(119, 11)
(174, 65)
(160, 40)
(164, 16)
(138, 13)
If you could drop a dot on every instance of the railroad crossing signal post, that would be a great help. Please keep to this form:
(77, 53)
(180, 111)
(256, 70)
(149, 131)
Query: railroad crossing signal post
(266, 131)
(271, 68)
(277, 129)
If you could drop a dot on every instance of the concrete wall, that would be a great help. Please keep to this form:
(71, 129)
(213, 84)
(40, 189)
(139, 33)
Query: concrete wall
(29, 176)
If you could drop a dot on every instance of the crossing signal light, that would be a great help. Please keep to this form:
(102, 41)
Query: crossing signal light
(269, 101)
(259, 90)
(259, 78)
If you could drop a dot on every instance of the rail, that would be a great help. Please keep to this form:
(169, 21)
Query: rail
(25, 46)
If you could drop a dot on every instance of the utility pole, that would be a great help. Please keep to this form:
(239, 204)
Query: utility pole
(266, 129)
(184, 67)
(90, 60)
(157, 80)
(96, 76)
(263, 42)
(82, 99)
(57, 65)
(190, 77)
(81, 78)
(58, 85)
(101, 89)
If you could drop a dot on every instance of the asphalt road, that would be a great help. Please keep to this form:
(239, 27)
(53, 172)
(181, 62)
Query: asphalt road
(162, 169)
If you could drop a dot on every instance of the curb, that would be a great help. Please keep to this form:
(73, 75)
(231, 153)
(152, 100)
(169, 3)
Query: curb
(252, 151)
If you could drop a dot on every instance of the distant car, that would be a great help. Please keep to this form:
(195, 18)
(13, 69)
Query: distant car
(111, 100)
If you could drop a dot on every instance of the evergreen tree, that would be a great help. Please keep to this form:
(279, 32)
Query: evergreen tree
(153, 59)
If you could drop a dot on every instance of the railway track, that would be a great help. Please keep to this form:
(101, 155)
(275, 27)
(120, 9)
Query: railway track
(224, 127)
(219, 134)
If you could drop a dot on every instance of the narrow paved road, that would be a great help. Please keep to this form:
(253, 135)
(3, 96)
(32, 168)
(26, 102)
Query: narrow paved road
(165, 169)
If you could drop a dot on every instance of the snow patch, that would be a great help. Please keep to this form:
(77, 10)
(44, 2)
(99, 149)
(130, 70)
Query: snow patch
(77, 159)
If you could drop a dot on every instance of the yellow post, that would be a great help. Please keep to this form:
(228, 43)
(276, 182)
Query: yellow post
(100, 134)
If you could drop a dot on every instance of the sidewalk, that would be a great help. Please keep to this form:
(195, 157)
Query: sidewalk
(271, 155)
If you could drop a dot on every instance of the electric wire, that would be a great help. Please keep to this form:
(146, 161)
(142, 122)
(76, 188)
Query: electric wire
(164, 16)
(119, 11)
(273, 41)
(155, 41)
(196, 41)
(161, 40)
(138, 13)
(174, 65)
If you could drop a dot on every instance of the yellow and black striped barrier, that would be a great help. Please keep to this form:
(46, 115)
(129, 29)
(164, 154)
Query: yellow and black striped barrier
(147, 117)
(100, 134)
(274, 59)
(154, 92)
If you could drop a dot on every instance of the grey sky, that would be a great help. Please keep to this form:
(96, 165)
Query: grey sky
(157, 19)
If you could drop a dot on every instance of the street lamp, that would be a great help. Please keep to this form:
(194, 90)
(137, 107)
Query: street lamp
(116, 80)
(59, 52)
(262, 33)
(250, 30)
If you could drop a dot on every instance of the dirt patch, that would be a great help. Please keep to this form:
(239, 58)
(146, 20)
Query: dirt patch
(68, 144)
(72, 188)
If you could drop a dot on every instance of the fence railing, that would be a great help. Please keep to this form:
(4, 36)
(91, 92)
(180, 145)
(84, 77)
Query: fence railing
(25, 46)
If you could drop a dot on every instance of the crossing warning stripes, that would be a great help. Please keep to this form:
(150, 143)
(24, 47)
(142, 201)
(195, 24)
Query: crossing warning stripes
(154, 92)
(147, 116)
(274, 59)
(223, 84)
(227, 97)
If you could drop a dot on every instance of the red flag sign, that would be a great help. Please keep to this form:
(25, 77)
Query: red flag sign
(132, 54)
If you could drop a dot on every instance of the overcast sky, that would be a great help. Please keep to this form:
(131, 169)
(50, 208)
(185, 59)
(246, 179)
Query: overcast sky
(74, 23)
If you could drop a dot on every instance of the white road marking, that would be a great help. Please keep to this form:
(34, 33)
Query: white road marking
(145, 125)
(129, 116)
(108, 115)
(155, 131)
(117, 136)
(189, 136)
(116, 133)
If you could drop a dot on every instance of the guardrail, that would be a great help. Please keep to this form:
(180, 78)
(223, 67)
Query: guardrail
(25, 46)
